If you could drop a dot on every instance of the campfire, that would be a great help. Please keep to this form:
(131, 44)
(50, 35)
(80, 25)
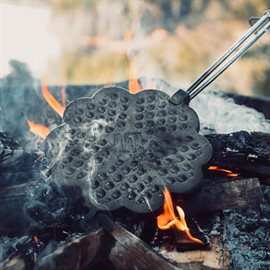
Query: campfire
(120, 176)
(192, 223)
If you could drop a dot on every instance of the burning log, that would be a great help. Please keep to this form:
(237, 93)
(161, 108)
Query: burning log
(248, 153)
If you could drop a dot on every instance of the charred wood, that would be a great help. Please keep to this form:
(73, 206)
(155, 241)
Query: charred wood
(216, 195)
(116, 248)
(224, 194)
(129, 252)
(215, 258)
(247, 153)
(14, 263)
(16, 165)
(37, 203)
(254, 143)
(14, 221)
(10, 151)
(82, 253)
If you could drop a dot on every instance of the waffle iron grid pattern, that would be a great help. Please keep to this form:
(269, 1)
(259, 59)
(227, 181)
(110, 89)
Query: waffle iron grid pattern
(122, 149)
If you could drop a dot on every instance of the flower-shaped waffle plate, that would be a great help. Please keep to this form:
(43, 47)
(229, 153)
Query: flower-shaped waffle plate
(123, 148)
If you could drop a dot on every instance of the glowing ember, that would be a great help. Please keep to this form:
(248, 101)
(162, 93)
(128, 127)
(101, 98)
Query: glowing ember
(38, 129)
(35, 238)
(228, 172)
(169, 220)
(59, 108)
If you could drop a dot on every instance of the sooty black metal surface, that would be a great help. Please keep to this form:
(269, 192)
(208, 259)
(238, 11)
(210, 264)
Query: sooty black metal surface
(122, 149)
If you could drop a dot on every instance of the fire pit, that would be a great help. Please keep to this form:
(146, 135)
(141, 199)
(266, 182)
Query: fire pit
(161, 206)
(60, 212)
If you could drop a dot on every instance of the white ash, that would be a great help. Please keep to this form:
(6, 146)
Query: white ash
(224, 116)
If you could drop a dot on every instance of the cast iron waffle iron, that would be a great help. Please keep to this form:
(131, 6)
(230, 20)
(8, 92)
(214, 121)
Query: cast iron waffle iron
(124, 148)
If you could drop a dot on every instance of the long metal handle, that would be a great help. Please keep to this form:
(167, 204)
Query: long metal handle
(261, 27)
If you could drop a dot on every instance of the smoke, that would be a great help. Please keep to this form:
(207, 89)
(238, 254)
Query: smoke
(91, 165)
(56, 145)
(64, 139)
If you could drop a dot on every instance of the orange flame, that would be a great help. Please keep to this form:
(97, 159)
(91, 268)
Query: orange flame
(59, 108)
(41, 130)
(228, 172)
(133, 84)
(38, 129)
(168, 218)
